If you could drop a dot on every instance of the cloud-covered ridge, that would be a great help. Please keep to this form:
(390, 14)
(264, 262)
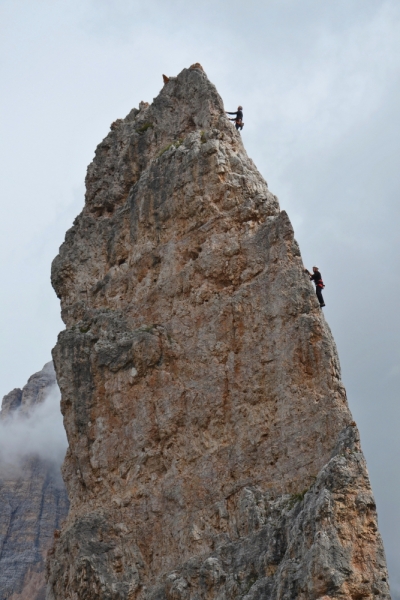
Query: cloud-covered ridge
(40, 432)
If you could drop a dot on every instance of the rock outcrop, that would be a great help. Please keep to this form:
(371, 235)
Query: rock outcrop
(212, 453)
(33, 499)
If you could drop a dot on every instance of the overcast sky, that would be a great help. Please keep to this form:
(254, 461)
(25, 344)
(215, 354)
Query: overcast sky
(320, 86)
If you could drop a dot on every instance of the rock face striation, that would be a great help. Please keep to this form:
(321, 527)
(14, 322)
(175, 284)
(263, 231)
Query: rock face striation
(212, 453)
(33, 500)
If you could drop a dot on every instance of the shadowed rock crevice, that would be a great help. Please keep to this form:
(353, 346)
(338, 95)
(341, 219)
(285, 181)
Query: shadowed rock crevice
(212, 453)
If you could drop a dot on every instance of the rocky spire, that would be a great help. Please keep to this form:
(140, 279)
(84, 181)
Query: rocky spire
(212, 453)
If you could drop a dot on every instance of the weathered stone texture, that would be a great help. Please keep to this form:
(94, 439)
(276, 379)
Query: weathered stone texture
(212, 453)
(33, 502)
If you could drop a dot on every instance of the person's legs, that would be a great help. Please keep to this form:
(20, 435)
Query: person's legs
(319, 296)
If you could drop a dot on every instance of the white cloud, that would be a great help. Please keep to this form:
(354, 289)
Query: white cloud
(40, 434)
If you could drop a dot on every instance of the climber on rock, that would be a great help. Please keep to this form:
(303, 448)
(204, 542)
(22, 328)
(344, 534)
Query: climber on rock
(319, 284)
(238, 118)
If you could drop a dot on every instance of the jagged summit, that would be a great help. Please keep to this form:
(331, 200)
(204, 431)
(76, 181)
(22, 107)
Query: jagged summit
(33, 393)
(187, 103)
(212, 453)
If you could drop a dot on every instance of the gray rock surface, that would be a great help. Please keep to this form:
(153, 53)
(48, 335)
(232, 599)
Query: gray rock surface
(33, 501)
(32, 394)
(11, 402)
(212, 454)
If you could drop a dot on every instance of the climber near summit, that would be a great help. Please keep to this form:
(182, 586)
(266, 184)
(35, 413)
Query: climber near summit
(319, 284)
(238, 118)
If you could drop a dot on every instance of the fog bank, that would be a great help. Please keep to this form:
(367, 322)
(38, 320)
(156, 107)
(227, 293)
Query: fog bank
(41, 433)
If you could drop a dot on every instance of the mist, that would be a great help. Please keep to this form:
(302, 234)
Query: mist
(39, 434)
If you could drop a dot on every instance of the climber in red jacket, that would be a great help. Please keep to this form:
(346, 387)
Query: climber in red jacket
(319, 284)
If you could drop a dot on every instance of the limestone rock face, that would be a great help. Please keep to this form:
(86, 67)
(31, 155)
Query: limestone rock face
(211, 453)
(33, 500)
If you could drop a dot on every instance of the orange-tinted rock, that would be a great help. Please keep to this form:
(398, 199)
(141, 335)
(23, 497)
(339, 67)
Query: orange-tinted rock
(212, 453)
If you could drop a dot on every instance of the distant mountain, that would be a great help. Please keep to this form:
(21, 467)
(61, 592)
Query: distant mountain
(33, 499)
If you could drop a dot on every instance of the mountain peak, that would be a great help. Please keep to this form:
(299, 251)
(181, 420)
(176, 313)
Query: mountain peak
(212, 453)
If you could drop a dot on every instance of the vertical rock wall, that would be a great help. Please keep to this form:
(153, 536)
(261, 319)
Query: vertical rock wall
(211, 453)
(33, 500)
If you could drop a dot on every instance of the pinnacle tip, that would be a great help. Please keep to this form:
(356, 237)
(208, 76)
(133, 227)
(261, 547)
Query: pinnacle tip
(196, 66)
